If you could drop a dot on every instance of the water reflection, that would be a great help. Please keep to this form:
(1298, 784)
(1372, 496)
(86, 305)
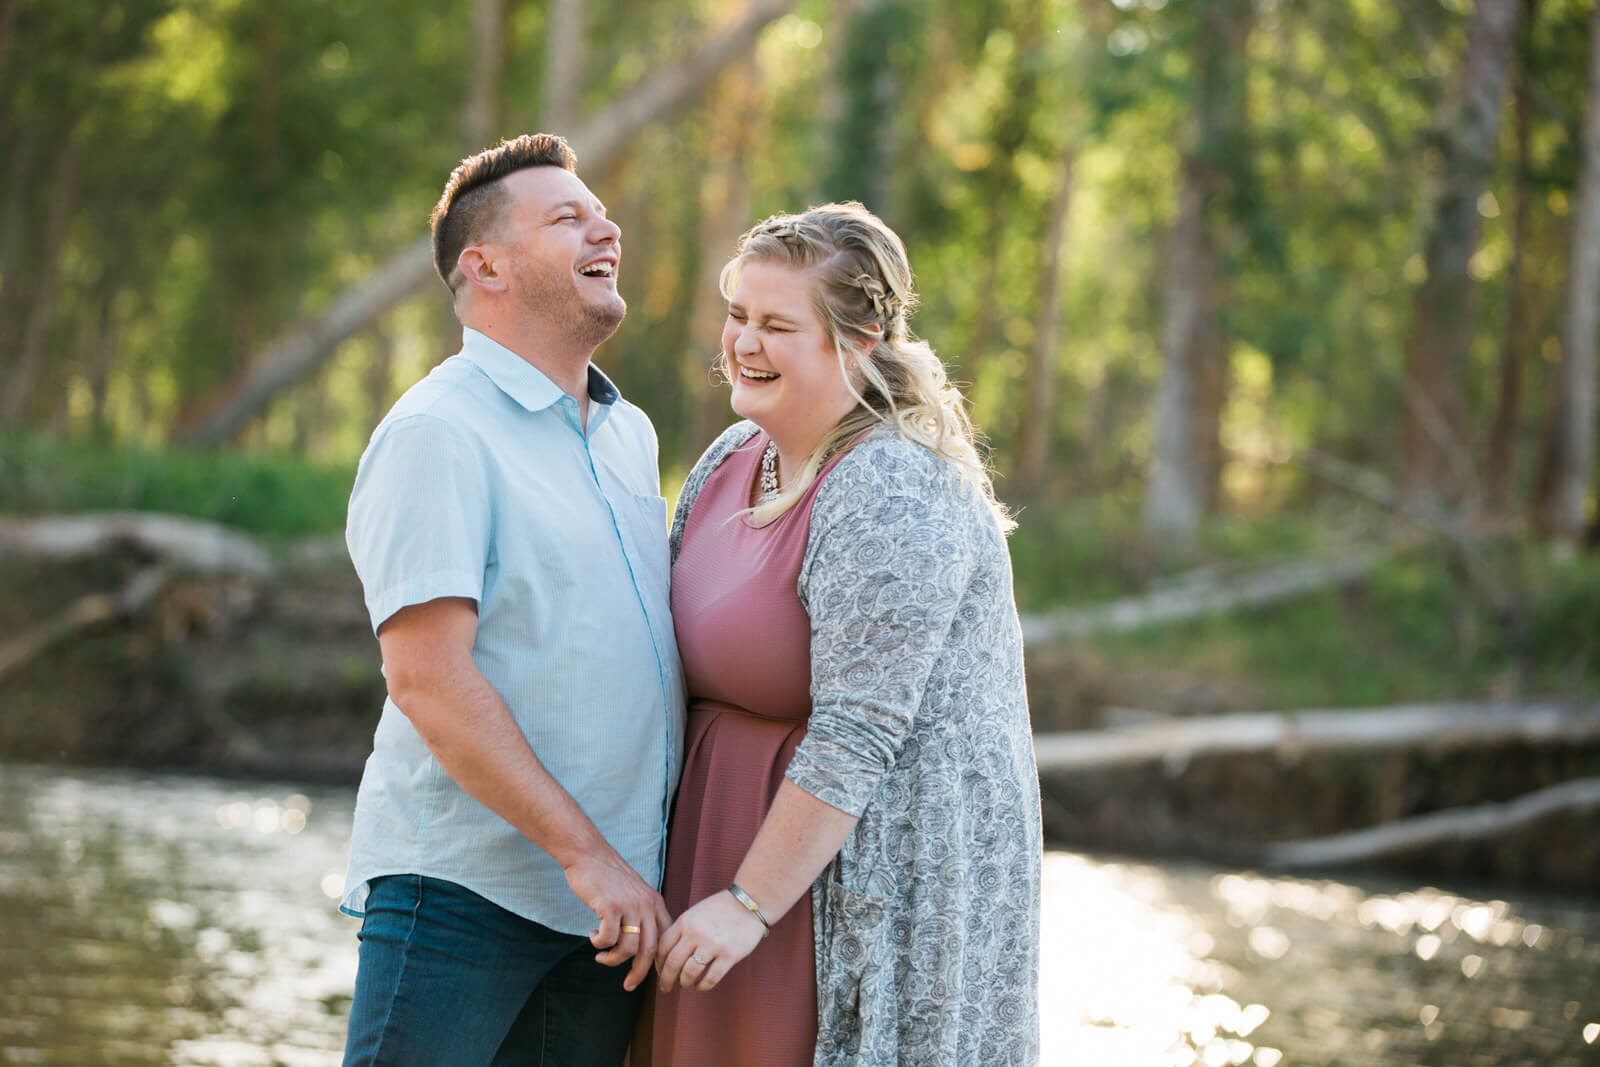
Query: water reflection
(159, 920)
(163, 920)
(1182, 965)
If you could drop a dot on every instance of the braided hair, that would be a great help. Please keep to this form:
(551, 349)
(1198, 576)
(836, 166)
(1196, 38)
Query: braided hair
(864, 297)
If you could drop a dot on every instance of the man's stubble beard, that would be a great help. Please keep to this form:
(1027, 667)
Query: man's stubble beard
(602, 320)
(589, 324)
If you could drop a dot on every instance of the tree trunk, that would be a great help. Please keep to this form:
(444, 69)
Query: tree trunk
(724, 215)
(1192, 390)
(861, 137)
(1211, 396)
(480, 120)
(563, 67)
(1044, 368)
(8, 17)
(1500, 460)
(42, 307)
(379, 378)
(1574, 467)
(1000, 191)
(831, 100)
(480, 123)
(1435, 445)
(303, 348)
(101, 362)
(270, 59)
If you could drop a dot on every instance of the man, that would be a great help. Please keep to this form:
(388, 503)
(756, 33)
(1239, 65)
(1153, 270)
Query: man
(510, 536)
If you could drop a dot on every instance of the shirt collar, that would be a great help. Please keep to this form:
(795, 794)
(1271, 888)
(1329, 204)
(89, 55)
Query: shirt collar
(521, 380)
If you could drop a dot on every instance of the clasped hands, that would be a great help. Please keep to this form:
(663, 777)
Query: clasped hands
(696, 951)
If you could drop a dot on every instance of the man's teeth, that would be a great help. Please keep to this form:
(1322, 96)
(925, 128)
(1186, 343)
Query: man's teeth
(758, 375)
(597, 270)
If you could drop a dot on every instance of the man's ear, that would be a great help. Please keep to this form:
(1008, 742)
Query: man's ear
(480, 269)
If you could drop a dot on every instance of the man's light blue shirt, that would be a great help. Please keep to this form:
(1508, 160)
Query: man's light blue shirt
(482, 483)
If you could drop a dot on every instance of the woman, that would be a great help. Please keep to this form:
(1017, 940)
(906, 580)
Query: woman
(857, 826)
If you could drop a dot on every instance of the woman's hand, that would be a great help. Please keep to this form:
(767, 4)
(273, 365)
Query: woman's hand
(707, 940)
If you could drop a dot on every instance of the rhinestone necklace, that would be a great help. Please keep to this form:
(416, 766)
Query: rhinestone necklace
(769, 474)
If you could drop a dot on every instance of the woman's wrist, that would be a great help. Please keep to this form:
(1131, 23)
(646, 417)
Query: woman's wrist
(749, 904)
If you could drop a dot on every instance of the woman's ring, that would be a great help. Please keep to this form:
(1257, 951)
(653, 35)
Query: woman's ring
(701, 960)
(630, 929)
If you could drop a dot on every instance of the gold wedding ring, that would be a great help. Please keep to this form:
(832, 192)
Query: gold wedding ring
(630, 929)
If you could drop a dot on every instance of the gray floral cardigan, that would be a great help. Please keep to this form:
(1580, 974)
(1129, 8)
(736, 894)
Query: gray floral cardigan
(927, 922)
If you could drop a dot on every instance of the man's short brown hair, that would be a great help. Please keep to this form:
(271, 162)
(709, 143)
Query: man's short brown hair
(473, 197)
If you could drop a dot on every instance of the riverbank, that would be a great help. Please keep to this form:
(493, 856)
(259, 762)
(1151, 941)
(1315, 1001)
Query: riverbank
(275, 673)
(251, 654)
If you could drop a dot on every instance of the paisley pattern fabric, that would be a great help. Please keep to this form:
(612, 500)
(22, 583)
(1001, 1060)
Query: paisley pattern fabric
(927, 922)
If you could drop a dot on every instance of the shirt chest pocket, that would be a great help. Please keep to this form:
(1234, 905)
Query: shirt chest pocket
(648, 531)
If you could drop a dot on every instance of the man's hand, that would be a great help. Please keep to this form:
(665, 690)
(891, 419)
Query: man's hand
(427, 660)
(706, 941)
(632, 915)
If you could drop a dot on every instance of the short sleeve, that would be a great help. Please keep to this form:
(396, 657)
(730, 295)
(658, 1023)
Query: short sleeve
(419, 521)
(891, 556)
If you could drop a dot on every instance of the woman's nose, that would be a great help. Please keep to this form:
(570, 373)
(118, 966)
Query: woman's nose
(746, 341)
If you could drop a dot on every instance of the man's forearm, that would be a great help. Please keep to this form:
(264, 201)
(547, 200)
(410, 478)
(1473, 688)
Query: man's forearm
(470, 731)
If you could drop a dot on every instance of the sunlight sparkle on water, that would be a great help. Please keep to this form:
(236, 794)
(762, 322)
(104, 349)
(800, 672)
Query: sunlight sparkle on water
(1136, 988)
(197, 922)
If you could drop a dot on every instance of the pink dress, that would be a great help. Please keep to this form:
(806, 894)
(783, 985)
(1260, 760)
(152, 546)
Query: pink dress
(745, 640)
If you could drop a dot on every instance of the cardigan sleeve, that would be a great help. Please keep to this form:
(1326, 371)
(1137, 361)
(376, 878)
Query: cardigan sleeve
(891, 553)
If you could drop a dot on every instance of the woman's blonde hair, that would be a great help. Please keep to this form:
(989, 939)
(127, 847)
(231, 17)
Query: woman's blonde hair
(863, 295)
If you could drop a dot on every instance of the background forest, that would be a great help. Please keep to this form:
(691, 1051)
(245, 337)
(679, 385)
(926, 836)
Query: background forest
(1232, 283)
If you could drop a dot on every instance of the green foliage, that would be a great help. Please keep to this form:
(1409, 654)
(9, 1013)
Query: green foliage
(231, 165)
(277, 496)
(1564, 623)
(1408, 632)
(182, 180)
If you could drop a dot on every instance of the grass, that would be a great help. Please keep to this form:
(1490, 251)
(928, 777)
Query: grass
(274, 496)
(1076, 552)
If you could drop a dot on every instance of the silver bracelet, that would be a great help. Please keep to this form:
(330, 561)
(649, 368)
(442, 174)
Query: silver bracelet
(755, 909)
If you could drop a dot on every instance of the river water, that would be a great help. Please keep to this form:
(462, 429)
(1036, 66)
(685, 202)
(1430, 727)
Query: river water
(159, 919)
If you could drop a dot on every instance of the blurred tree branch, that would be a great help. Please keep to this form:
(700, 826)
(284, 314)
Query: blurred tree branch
(301, 349)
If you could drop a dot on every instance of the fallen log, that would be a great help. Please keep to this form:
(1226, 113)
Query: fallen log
(83, 614)
(1288, 734)
(178, 546)
(188, 544)
(1437, 828)
(1192, 600)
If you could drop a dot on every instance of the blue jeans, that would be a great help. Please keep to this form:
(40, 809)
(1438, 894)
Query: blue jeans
(447, 979)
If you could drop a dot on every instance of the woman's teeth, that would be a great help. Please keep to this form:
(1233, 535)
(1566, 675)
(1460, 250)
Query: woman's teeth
(756, 375)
